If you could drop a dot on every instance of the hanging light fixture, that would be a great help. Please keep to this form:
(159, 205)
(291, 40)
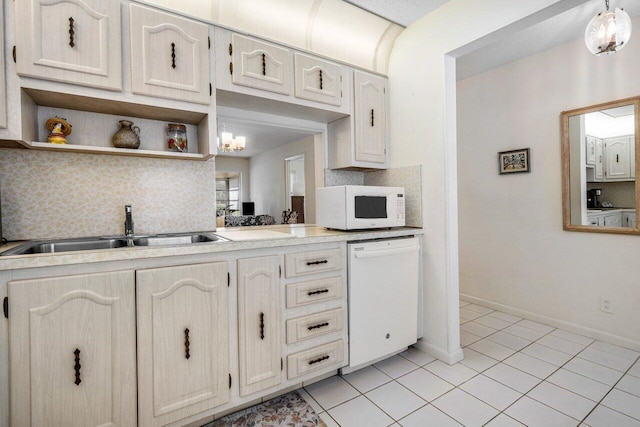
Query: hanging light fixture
(608, 31)
(228, 144)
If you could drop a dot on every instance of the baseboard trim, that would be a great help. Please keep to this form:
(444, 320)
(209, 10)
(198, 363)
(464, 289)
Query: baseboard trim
(438, 353)
(557, 323)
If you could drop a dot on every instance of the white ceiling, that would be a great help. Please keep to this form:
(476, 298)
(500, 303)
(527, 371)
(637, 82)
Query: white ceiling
(403, 12)
(259, 137)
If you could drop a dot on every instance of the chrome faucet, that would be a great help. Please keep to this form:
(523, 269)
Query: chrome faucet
(128, 225)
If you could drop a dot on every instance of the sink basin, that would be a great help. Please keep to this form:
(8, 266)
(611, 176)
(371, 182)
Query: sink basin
(94, 243)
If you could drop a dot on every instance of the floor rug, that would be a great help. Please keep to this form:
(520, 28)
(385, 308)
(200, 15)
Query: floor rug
(289, 410)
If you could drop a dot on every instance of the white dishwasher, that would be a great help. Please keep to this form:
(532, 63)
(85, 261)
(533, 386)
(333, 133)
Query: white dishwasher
(383, 298)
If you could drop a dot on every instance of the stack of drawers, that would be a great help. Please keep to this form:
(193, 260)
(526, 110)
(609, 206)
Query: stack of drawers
(316, 304)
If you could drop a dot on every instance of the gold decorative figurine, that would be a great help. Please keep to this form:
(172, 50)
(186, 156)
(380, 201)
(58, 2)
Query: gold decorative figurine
(58, 129)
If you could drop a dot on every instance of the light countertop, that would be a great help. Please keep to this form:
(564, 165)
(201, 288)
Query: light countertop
(242, 238)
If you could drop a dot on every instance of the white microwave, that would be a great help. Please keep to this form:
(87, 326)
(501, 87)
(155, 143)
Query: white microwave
(355, 207)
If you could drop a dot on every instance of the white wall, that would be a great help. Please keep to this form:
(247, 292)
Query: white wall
(513, 250)
(422, 105)
(240, 165)
(267, 178)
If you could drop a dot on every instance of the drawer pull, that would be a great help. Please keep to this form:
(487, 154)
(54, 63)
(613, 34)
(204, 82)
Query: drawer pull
(319, 325)
(72, 33)
(76, 367)
(320, 73)
(321, 291)
(372, 118)
(264, 64)
(187, 344)
(312, 362)
(324, 261)
(173, 55)
(262, 326)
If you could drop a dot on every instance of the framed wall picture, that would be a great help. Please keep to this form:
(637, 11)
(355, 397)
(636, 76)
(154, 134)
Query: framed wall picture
(514, 161)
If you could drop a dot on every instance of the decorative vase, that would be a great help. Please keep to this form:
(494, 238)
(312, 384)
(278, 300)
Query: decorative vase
(127, 136)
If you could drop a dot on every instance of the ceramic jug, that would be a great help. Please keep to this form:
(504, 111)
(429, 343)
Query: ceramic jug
(127, 136)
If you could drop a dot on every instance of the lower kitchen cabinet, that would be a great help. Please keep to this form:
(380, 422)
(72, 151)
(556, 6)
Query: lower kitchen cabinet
(73, 350)
(183, 341)
(259, 325)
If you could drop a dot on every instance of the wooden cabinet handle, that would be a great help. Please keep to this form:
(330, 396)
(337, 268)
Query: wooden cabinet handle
(72, 32)
(187, 344)
(318, 326)
(262, 326)
(320, 291)
(77, 366)
(320, 73)
(372, 118)
(318, 360)
(173, 55)
(264, 64)
(324, 261)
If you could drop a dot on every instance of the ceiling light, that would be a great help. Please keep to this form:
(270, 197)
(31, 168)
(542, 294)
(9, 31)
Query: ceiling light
(608, 31)
(228, 144)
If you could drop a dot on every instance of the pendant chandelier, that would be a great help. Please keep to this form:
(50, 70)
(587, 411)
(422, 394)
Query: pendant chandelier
(608, 31)
(228, 144)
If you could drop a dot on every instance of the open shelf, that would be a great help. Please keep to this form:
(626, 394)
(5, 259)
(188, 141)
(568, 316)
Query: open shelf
(114, 151)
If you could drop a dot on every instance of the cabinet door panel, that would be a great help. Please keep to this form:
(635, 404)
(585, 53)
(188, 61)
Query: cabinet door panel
(76, 41)
(260, 65)
(169, 56)
(183, 363)
(599, 160)
(617, 157)
(73, 351)
(259, 323)
(370, 118)
(317, 80)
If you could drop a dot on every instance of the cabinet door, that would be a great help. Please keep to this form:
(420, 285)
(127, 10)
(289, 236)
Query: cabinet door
(3, 97)
(599, 169)
(169, 56)
(183, 341)
(370, 117)
(617, 158)
(590, 150)
(318, 80)
(613, 220)
(259, 323)
(260, 65)
(73, 351)
(75, 41)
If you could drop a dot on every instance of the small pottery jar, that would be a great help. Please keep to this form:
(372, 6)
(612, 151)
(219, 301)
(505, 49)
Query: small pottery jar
(127, 136)
(177, 137)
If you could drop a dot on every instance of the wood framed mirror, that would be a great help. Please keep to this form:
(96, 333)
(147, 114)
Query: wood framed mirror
(599, 162)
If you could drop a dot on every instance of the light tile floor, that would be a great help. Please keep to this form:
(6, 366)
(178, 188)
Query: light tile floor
(516, 372)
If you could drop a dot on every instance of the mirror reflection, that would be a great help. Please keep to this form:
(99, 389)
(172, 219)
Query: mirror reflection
(600, 142)
(272, 180)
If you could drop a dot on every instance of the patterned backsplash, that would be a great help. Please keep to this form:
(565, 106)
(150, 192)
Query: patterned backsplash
(62, 195)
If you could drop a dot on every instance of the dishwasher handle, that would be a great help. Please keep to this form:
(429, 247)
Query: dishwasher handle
(385, 252)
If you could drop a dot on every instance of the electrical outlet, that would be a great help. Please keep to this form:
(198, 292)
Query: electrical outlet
(606, 304)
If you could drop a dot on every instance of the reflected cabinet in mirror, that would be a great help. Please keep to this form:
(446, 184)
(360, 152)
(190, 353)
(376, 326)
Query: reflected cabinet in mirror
(599, 145)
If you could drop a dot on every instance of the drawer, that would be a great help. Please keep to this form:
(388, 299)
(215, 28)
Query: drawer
(312, 262)
(312, 291)
(314, 325)
(314, 359)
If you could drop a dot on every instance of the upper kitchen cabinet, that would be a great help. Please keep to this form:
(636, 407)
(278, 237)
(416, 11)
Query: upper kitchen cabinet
(261, 65)
(318, 80)
(169, 56)
(362, 140)
(258, 75)
(617, 160)
(75, 41)
(3, 96)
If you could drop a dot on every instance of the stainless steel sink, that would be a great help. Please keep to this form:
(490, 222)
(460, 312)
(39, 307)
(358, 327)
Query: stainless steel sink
(94, 243)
